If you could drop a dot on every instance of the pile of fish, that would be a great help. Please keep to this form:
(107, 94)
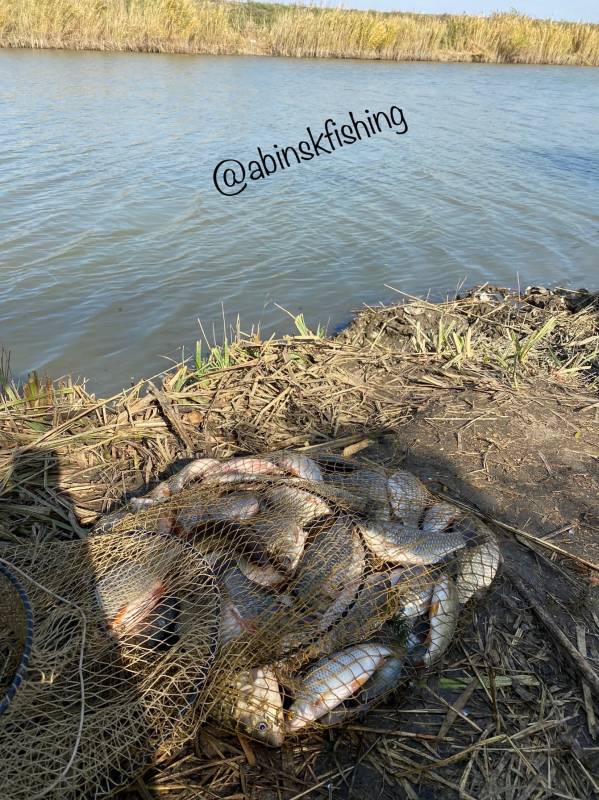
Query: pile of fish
(338, 582)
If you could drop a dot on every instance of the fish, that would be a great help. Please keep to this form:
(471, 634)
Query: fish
(329, 573)
(193, 471)
(386, 679)
(402, 544)
(226, 478)
(109, 522)
(415, 639)
(381, 596)
(246, 465)
(299, 465)
(440, 516)
(258, 706)
(370, 606)
(280, 533)
(236, 506)
(346, 500)
(415, 587)
(245, 605)
(126, 595)
(331, 681)
(280, 538)
(443, 619)
(160, 629)
(263, 574)
(477, 568)
(302, 506)
(369, 484)
(355, 615)
(408, 497)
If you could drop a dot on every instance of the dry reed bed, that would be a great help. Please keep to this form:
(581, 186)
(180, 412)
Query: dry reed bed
(511, 711)
(200, 26)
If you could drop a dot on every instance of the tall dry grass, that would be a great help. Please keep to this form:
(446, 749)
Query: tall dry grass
(205, 26)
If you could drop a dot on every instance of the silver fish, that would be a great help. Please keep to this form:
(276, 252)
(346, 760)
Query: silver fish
(108, 522)
(126, 595)
(297, 504)
(226, 478)
(386, 679)
(193, 471)
(400, 544)
(190, 472)
(245, 605)
(356, 616)
(280, 539)
(415, 638)
(415, 588)
(299, 465)
(440, 516)
(279, 533)
(235, 506)
(332, 680)
(371, 603)
(263, 574)
(443, 619)
(247, 465)
(258, 706)
(477, 568)
(330, 572)
(408, 497)
(342, 497)
(367, 483)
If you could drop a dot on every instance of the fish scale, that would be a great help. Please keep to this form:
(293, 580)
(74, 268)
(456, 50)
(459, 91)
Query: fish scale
(331, 681)
(408, 545)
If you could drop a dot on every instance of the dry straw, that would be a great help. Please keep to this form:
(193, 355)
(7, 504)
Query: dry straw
(198, 26)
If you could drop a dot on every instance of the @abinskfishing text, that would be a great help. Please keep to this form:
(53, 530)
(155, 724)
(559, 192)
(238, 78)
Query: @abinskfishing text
(231, 176)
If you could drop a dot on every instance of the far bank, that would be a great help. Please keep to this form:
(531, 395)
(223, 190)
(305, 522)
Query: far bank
(197, 26)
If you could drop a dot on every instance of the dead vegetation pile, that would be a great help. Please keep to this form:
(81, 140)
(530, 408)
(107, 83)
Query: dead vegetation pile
(492, 400)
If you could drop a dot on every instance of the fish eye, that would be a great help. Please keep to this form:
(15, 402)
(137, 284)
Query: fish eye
(262, 726)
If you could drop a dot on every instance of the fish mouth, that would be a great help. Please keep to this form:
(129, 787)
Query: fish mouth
(296, 724)
(275, 738)
(286, 562)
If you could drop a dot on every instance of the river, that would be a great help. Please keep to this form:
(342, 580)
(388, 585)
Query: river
(114, 240)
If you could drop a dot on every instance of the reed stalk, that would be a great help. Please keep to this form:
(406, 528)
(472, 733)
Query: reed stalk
(205, 26)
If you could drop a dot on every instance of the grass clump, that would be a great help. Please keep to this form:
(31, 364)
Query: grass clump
(208, 26)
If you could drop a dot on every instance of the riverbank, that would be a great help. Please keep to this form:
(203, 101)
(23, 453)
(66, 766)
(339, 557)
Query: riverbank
(493, 400)
(200, 26)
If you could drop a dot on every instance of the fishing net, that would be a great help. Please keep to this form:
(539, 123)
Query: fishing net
(105, 646)
(16, 633)
(338, 580)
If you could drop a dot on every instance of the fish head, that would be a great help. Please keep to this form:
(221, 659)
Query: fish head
(300, 715)
(286, 549)
(259, 709)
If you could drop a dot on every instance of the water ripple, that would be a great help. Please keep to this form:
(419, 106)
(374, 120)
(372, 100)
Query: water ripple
(114, 240)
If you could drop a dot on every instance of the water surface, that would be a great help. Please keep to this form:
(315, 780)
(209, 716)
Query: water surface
(114, 241)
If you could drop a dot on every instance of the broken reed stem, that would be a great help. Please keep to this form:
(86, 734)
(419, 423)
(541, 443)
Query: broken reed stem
(172, 417)
(519, 532)
(578, 662)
